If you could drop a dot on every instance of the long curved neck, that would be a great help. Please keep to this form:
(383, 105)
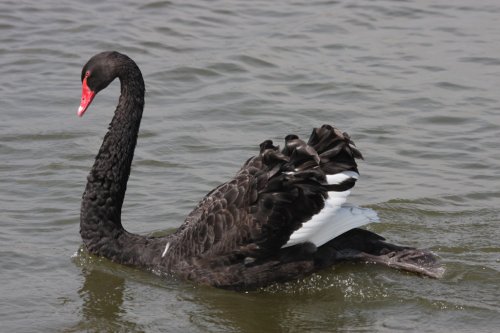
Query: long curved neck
(100, 216)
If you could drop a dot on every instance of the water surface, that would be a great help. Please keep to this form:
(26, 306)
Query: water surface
(415, 83)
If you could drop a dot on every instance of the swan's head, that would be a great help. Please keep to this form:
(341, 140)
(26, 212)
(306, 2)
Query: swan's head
(97, 74)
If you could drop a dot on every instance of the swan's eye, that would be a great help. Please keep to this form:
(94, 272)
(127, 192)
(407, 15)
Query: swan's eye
(87, 73)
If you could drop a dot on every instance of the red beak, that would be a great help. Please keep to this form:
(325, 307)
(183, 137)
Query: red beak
(87, 97)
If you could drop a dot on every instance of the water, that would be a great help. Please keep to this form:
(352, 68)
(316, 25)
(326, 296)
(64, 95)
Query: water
(415, 83)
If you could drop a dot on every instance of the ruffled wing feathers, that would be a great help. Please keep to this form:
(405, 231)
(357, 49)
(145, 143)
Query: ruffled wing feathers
(274, 196)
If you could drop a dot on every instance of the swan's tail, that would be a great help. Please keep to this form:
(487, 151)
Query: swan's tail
(365, 246)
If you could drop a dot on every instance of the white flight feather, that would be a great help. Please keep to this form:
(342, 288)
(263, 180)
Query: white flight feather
(335, 218)
(346, 218)
(341, 176)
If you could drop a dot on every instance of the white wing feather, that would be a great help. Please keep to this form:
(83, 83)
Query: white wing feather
(335, 218)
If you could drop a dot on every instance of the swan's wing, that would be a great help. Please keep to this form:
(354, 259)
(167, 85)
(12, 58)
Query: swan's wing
(280, 199)
(304, 202)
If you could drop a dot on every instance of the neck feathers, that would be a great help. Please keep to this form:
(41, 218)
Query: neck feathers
(100, 216)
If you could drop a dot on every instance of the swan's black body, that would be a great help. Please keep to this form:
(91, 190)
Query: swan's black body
(234, 238)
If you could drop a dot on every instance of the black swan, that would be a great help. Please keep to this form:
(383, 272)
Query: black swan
(281, 217)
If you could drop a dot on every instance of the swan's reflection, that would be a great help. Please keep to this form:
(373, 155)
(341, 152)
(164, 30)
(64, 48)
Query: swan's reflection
(300, 305)
(316, 303)
(102, 294)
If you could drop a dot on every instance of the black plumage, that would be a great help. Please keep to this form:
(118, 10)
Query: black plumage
(235, 236)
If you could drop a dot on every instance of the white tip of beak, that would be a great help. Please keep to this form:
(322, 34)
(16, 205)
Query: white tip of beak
(80, 111)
